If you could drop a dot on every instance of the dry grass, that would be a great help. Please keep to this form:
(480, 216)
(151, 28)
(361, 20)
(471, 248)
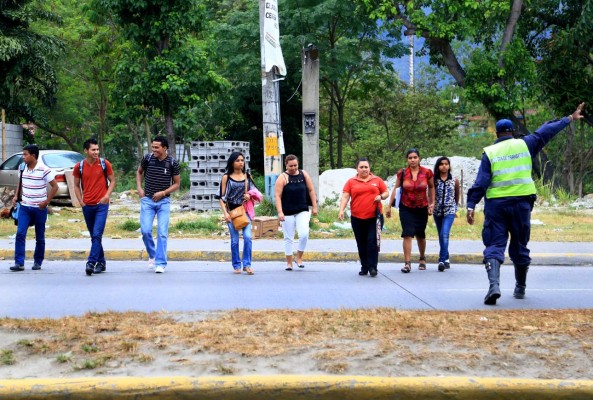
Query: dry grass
(335, 339)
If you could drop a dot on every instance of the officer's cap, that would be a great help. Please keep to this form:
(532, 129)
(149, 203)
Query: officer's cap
(504, 125)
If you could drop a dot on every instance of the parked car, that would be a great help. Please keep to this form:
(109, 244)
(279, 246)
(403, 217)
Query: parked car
(58, 160)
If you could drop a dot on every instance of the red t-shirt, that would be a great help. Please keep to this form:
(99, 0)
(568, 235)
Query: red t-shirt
(362, 196)
(414, 192)
(94, 185)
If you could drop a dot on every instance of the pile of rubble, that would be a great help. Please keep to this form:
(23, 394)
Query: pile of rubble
(332, 181)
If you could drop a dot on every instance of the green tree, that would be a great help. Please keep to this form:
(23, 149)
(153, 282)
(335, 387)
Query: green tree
(352, 46)
(84, 72)
(28, 80)
(496, 71)
(565, 74)
(383, 123)
(235, 27)
(507, 39)
(172, 69)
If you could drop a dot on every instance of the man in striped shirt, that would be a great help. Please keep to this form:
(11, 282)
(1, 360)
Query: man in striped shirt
(161, 178)
(33, 209)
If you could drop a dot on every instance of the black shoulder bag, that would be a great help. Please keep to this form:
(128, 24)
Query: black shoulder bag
(14, 210)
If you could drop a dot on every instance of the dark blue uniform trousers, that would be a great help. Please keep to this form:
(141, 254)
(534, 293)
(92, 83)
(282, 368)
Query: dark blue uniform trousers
(504, 217)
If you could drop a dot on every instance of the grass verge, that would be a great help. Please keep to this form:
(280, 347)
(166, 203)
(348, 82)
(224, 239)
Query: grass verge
(336, 340)
(549, 224)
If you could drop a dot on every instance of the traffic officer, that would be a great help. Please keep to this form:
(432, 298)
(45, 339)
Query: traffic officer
(504, 178)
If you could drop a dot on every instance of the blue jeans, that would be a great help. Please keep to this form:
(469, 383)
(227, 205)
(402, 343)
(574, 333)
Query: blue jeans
(444, 224)
(39, 217)
(95, 218)
(148, 210)
(236, 258)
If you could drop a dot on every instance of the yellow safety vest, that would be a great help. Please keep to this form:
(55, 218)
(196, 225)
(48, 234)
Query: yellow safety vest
(511, 169)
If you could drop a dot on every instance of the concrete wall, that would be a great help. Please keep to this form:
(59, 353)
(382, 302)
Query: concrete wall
(14, 140)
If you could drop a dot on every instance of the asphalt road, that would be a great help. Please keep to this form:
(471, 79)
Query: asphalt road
(61, 288)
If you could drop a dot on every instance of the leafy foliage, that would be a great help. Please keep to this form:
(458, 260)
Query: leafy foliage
(352, 47)
(168, 67)
(384, 123)
(28, 79)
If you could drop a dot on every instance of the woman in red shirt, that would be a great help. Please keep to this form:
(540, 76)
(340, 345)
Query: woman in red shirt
(415, 206)
(365, 192)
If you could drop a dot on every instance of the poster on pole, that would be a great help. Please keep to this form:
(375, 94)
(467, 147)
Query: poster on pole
(272, 51)
(271, 144)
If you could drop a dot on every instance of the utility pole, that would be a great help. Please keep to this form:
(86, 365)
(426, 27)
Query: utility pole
(272, 66)
(410, 34)
(310, 77)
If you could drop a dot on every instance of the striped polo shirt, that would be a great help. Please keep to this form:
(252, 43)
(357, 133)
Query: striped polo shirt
(158, 175)
(34, 187)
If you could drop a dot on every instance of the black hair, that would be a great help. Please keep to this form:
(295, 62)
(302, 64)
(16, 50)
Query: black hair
(163, 140)
(363, 159)
(88, 142)
(412, 150)
(230, 165)
(231, 161)
(437, 173)
(32, 149)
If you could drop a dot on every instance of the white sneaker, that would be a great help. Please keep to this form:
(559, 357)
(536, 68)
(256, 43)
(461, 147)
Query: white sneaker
(151, 263)
(159, 270)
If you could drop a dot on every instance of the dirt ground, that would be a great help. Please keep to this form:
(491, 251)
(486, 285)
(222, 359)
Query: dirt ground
(375, 342)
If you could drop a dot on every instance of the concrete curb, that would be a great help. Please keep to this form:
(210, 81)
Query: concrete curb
(568, 259)
(295, 387)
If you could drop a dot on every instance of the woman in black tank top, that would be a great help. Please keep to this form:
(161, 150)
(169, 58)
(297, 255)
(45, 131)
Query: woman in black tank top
(294, 193)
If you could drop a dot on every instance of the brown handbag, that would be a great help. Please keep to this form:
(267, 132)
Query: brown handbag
(239, 215)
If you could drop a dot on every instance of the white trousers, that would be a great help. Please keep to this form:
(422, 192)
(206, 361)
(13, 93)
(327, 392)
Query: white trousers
(301, 222)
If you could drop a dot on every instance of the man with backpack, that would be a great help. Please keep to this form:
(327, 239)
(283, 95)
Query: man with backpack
(94, 182)
(162, 176)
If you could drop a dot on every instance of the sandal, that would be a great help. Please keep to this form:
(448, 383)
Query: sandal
(422, 264)
(248, 270)
(237, 271)
(299, 265)
(289, 268)
(407, 267)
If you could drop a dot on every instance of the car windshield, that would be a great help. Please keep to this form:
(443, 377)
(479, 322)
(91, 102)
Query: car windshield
(61, 160)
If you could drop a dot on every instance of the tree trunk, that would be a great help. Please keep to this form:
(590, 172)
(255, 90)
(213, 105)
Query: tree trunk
(73, 146)
(341, 133)
(509, 30)
(102, 103)
(449, 59)
(170, 135)
(135, 130)
(148, 137)
(330, 133)
(169, 127)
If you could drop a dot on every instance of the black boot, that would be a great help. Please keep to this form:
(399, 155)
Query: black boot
(520, 280)
(493, 270)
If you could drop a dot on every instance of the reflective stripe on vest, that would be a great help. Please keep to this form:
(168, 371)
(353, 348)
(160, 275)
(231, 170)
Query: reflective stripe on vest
(511, 169)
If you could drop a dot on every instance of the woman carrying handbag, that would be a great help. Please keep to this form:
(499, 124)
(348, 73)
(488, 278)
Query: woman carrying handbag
(238, 194)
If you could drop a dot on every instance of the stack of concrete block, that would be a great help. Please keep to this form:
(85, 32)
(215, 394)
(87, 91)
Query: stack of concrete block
(14, 140)
(207, 166)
